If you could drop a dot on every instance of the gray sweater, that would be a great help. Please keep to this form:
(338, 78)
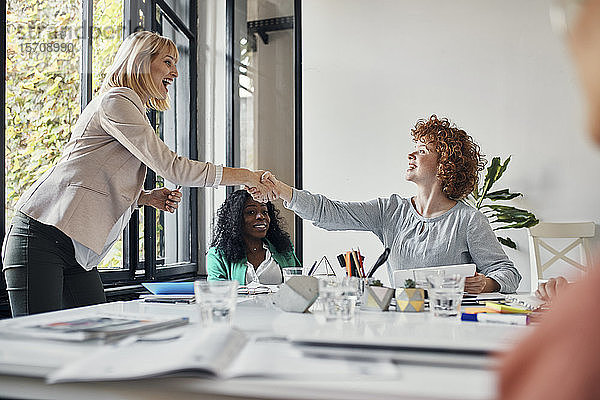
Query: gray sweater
(460, 235)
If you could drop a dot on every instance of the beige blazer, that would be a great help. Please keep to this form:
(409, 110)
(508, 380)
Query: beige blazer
(102, 170)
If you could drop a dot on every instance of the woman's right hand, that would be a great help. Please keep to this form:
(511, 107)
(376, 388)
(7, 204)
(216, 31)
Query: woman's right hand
(264, 191)
(261, 189)
(281, 190)
(549, 290)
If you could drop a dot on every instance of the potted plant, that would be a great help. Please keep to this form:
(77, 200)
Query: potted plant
(376, 296)
(410, 298)
(500, 216)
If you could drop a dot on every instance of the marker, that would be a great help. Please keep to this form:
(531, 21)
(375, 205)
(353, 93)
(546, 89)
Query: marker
(510, 319)
(178, 187)
(170, 301)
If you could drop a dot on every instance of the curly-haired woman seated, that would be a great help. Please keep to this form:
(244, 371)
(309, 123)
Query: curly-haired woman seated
(433, 227)
(249, 243)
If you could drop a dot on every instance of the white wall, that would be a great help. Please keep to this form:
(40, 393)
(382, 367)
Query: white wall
(495, 67)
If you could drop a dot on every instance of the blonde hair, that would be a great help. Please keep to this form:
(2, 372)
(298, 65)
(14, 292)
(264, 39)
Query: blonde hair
(131, 66)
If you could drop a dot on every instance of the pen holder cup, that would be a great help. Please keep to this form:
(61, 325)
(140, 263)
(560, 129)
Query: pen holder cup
(410, 299)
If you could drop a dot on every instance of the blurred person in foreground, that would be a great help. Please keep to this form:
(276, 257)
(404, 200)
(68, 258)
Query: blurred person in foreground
(561, 358)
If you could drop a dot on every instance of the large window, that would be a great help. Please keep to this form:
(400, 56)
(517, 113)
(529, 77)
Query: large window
(56, 55)
(264, 112)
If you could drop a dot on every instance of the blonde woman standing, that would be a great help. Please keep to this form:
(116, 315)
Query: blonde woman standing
(72, 215)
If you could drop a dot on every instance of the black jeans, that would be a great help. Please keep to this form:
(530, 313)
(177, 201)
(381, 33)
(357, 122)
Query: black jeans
(41, 271)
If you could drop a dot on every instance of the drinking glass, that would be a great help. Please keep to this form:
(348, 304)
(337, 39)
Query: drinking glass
(445, 294)
(288, 272)
(338, 296)
(216, 301)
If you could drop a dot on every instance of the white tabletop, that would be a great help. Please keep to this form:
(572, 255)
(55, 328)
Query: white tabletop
(445, 361)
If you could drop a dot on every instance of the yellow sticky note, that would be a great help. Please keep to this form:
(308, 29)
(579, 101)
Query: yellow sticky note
(503, 308)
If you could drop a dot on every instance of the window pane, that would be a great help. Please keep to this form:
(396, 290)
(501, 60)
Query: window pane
(173, 230)
(42, 88)
(264, 95)
(141, 251)
(107, 35)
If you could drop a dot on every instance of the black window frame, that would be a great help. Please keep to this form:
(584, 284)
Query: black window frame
(151, 268)
(137, 14)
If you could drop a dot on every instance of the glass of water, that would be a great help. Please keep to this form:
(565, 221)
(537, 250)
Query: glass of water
(216, 301)
(288, 272)
(445, 294)
(338, 296)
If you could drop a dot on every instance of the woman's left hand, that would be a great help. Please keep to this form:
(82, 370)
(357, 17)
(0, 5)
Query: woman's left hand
(162, 199)
(480, 283)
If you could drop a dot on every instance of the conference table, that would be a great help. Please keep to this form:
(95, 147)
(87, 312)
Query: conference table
(377, 355)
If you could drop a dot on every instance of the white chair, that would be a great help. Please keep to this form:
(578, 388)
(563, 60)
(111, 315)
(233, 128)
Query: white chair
(580, 231)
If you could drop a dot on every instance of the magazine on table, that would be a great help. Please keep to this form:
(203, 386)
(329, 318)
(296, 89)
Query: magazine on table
(206, 351)
(100, 327)
(216, 352)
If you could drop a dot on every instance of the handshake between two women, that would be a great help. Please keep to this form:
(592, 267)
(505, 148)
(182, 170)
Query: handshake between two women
(276, 189)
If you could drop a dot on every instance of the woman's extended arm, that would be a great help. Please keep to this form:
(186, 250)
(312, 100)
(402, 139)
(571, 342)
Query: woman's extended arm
(487, 253)
(121, 117)
(252, 179)
(330, 214)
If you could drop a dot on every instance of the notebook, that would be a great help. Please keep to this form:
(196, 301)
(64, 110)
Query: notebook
(529, 301)
(170, 287)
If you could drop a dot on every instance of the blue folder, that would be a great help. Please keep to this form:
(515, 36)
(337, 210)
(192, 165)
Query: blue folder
(170, 287)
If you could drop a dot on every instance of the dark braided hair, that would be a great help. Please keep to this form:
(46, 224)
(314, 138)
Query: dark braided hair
(228, 233)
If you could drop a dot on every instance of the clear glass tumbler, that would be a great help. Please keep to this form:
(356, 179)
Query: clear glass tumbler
(445, 294)
(288, 272)
(338, 297)
(216, 301)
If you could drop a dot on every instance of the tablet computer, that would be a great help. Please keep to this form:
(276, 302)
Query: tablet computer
(402, 275)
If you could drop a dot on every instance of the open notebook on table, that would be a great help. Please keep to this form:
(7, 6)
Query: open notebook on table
(217, 352)
(529, 301)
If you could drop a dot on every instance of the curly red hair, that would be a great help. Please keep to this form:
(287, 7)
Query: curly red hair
(459, 157)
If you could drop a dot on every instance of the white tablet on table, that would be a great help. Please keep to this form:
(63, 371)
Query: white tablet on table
(402, 275)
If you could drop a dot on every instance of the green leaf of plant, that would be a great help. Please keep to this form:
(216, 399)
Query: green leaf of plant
(502, 168)
(503, 194)
(518, 225)
(507, 242)
(490, 178)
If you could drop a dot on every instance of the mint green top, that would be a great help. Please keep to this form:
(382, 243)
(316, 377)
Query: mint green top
(219, 269)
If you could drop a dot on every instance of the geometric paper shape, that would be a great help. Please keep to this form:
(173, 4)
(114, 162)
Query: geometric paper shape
(410, 299)
(297, 294)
